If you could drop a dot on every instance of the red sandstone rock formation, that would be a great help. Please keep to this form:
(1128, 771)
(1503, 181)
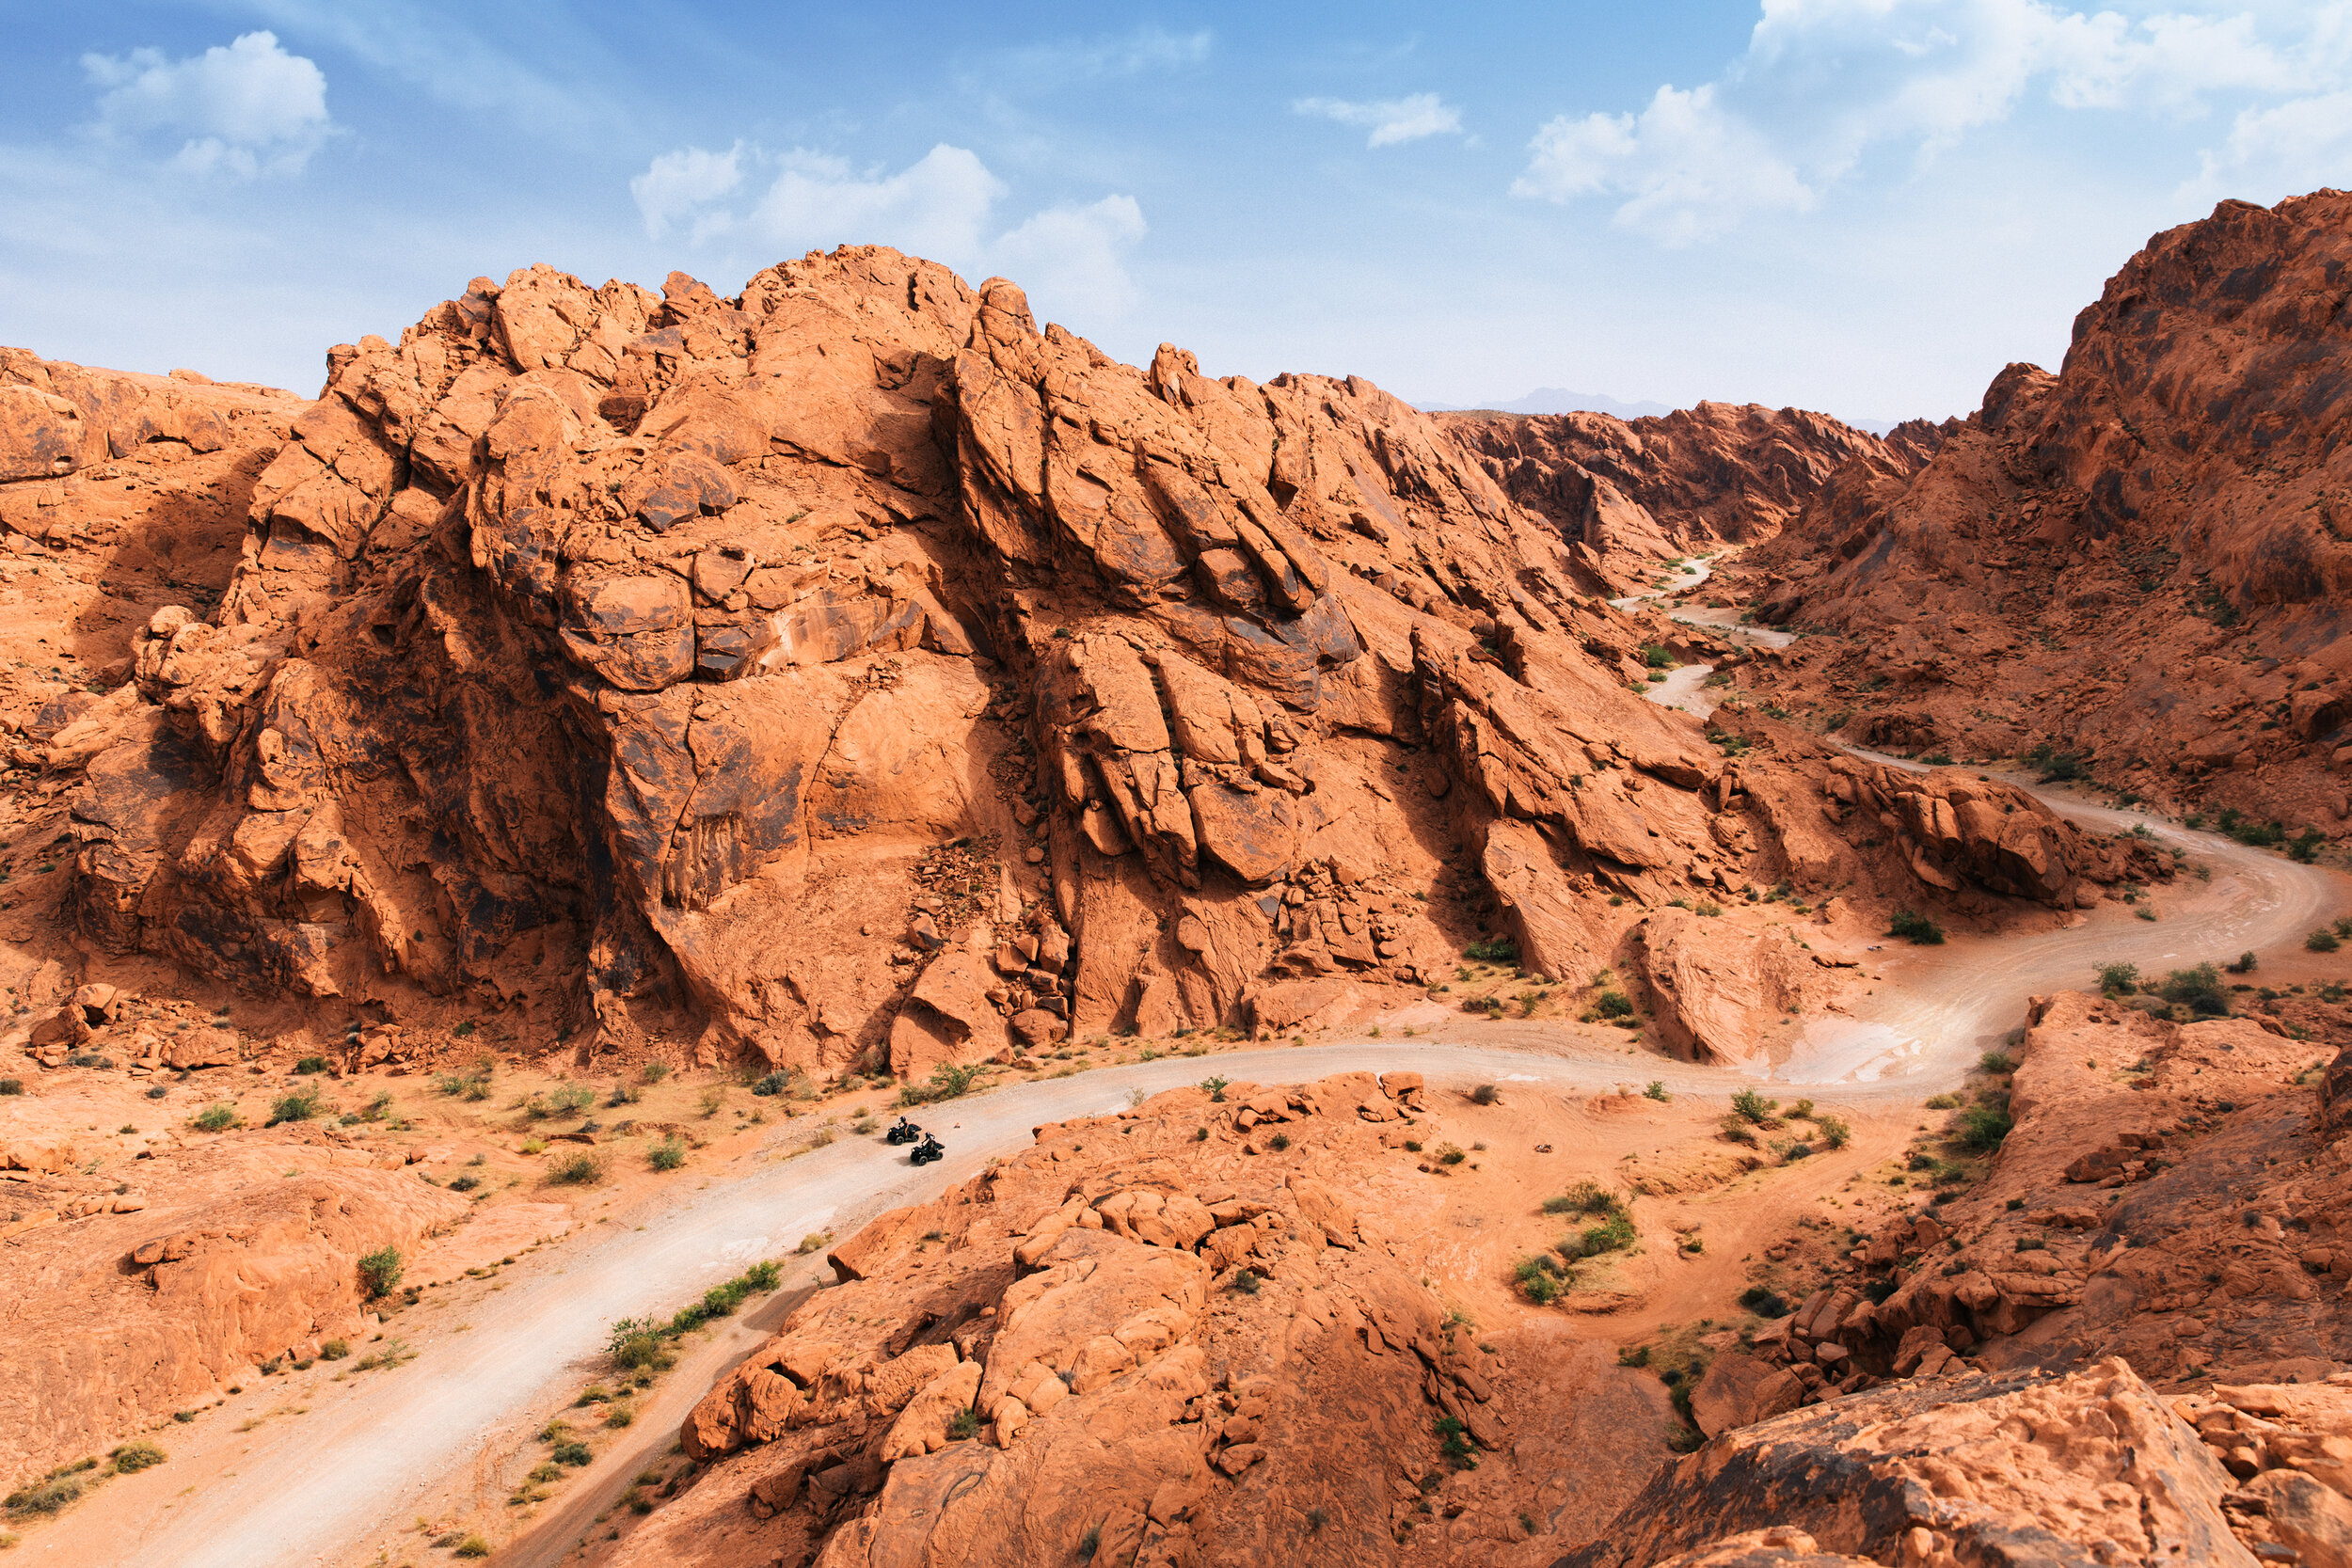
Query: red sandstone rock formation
(1631, 494)
(2142, 559)
(607, 657)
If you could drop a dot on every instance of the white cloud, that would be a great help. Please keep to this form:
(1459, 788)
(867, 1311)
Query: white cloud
(1688, 171)
(1393, 120)
(937, 206)
(1826, 82)
(1072, 257)
(1069, 258)
(2291, 147)
(682, 184)
(1145, 49)
(244, 108)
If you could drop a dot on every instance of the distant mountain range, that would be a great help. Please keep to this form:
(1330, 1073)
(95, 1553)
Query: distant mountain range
(1559, 399)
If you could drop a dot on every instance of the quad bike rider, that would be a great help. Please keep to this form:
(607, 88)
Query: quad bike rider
(930, 1148)
(904, 1132)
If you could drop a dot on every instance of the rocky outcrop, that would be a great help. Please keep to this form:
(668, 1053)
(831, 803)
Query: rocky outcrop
(2138, 560)
(2116, 1218)
(130, 1309)
(1137, 1339)
(598, 657)
(2085, 1468)
(1633, 493)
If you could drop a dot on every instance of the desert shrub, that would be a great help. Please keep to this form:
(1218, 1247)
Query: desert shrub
(1455, 1443)
(2058, 766)
(301, 1105)
(816, 1241)
(1451, 1154)
(624, 1093)
(1996, 1061)
(1754, 1108)
(379, 1271)
(774, 1083)
(569, 1100)
(310, 1065)
(1657, 1090)
(2245, 964)
(1984, 1127)
(1657, 657)
(1538, 1278)
(47, 1496)
(1279, 1142)
(334, 1349)
(464, 1183)
(1587, 1197)
(1916, 929)
(668, 1154)
(1613, 1004)
(1216, 1088)
(948, 1082)
(1485, 1094)
(1613, 1234)
(2305, 846)
(1247, 1282)
(1835, 1131)
(1763, 1302)
(1736, 1128)
(2119, 979)
(2198, 989)
(136, 1455)
(1496, 950)
(583, 1169)
(215, 1119)
(571, 1451)
(2323, 941)
(1941, 1101)
(964, 1426)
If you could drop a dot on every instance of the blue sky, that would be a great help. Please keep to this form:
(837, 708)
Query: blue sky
(1861, 206)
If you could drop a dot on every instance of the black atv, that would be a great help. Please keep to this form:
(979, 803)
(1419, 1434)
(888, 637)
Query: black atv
(930, 1148)
(905, 1133)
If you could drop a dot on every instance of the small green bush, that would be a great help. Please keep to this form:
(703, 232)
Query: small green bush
(136, 1455)
(301, 1105)
(668, 1154)
(1984, 1127)
(379, 1271)
(1495, 950)
(1485, 1094)
(473, 1546)
(2323, 941)
(1613, 1004)
(571, 1451)
(1657, 1090)
(1614, 1234)
(1754, 1108)
(1763, 1302)
(216, 1118)
(1916, 929)
(1247, 1282)
(583, 1169)
(964, 1426)
(2200, 990)
(1835, 1131)
(310, 1065)
(1279, 1142)
(16, 1085)
(1587, 1197)
(334, 1349)
(1538, 1279)
(1216, 1088)
(1451, 1154)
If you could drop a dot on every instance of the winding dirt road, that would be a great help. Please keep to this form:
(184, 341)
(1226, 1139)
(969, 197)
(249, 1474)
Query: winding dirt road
(338, 1482)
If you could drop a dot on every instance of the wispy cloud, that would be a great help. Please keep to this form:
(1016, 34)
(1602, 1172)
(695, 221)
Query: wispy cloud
(1129, 54)
(1824, 82)
(1072, 257)
(1392, 120)
(244, 108)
